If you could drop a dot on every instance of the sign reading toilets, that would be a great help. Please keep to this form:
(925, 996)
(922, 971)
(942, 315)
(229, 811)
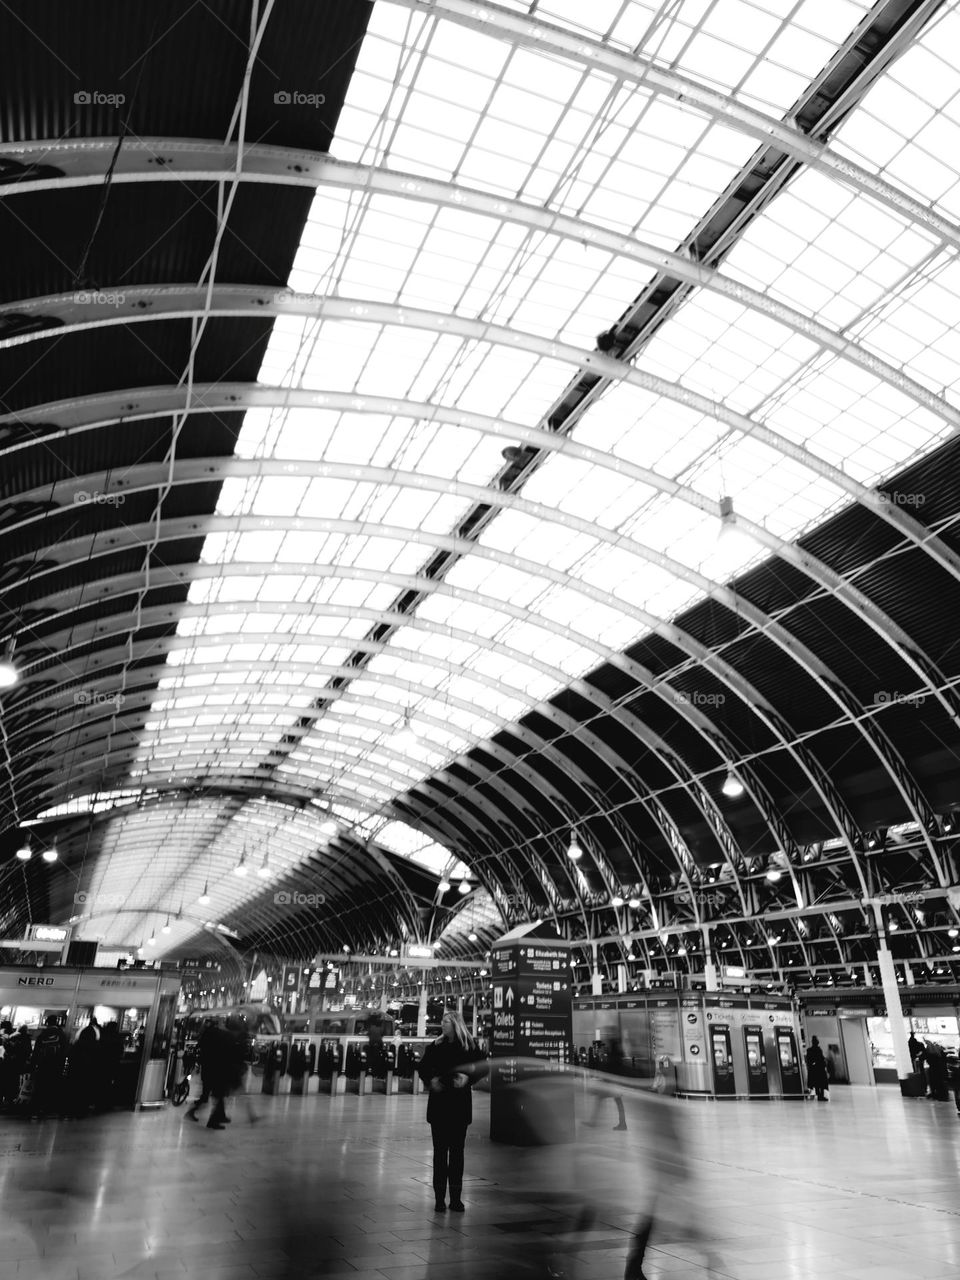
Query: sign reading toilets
(532, 1001)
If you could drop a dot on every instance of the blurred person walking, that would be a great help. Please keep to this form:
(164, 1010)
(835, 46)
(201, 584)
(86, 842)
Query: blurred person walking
(445, 1071)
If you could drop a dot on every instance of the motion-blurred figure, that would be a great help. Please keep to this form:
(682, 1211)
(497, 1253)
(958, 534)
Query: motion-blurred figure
(644, 1171)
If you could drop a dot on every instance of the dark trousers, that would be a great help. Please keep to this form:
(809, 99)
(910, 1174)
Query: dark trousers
(638, 1247)
(448, 1159)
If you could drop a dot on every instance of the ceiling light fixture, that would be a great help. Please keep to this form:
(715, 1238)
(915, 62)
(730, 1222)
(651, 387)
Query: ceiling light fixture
(151, 942)
(444, 885)
(405, 736)
(50, 855)
(574, 852)
(732, 786)
(166, 927)
(465, 886)
(263, 871)
(472, 937)
(25, 853)
(205, 896)
(241, 868)
(9, 675)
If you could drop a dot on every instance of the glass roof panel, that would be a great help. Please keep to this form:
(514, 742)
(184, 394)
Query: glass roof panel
(325, 574)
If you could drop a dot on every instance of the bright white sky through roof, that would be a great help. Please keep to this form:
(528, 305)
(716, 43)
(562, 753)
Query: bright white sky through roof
(587, 557)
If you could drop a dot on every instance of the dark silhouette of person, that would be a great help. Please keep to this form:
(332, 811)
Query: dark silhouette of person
(110, 1056)
(47, 1064)
(916, 1050)
(205, 1059)
(84, 1068)
(817, 1069)
(937, 1076)
(9, 1083)
(445, 1071)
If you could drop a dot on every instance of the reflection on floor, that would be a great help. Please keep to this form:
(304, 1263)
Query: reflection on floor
(865, 1187)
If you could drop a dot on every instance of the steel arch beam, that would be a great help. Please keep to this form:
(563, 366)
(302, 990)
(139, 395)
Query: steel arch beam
(503, 24)
(85, 310)
(85, 161)
(151, 476)
(852, 710)
(80, 637)
(833, 804)
(159, 401)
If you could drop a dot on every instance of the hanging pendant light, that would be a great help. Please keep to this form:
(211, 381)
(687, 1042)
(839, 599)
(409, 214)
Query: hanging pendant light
(205, 896)
(241, 868)
(263, 871)
(9, 675)
(50, 855)
(732, 786)
(25, 853)
(574, 852)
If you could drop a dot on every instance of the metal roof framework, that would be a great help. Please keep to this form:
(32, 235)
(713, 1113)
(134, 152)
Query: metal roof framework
(167, 522)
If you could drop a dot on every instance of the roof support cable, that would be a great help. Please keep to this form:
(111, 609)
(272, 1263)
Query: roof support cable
(257, 27)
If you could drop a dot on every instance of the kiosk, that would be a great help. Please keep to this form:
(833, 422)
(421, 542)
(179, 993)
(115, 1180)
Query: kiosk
(142, 1002)
(716, 1045)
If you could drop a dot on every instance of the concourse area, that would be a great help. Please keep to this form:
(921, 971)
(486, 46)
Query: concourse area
(863, 1188)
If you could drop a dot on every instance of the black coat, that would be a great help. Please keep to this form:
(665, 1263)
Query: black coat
(451, 1108)
(817, 1068)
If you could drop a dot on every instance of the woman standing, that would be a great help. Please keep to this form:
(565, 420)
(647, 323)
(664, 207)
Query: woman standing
(445, 1072)
(817, 1069)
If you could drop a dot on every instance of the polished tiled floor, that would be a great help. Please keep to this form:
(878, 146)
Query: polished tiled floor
(866, 1187)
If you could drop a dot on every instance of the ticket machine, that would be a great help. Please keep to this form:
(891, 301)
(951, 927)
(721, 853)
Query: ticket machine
(758, 1085)
(791, 1078)
(721, 1053)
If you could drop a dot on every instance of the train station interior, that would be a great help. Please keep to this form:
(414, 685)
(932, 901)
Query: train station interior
(480, 574)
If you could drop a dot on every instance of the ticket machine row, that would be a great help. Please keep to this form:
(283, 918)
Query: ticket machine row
(335, 1064)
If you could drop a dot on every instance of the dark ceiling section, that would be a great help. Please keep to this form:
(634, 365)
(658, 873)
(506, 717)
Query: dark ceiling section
(171, 70)
(844, 698)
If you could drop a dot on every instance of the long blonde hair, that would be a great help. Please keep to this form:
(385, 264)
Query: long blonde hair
(460, 1033)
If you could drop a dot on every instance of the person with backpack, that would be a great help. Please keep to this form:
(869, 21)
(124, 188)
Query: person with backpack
(47, 1065)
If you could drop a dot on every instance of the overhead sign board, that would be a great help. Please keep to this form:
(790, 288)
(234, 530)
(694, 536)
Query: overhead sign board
(415, 951)
(48, 932)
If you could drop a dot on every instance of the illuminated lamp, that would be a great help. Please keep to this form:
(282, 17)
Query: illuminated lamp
(732, 786)
(50, 855)
(574, 852)
(205, 896)
(25, 853)
(9, 675)
(241, 868)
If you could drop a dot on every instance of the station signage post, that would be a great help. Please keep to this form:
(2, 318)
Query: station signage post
(531, 1098)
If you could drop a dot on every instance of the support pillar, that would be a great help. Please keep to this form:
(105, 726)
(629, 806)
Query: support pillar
(711, 979)
(891, 996)
(621, 978)
(422, 1011)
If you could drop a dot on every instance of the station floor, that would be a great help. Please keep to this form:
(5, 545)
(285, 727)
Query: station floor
(865, 1187)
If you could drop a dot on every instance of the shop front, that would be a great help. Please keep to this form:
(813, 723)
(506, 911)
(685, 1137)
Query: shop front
(137, 1007)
